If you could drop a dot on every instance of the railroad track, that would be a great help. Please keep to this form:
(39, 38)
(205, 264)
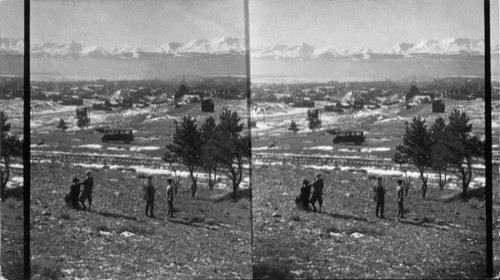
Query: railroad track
(334, 161)
(257, 158)
(97, 159)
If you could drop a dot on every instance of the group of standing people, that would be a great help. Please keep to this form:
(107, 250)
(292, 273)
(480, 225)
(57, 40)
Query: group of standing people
(74, 198)
(77, 200)
(379, 198)
(304, 199)
(149, 197)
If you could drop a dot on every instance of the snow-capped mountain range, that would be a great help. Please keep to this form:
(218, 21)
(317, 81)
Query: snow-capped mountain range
(216, 46)
(11, 46)
(236, 46)
(446, 47)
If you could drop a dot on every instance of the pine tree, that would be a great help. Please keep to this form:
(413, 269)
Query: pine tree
(313, 119)
(462, 147)
(293, 127)
(416, 146)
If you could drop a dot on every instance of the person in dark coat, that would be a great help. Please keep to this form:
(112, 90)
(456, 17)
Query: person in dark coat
(379, 197)
(74, 192)
(149, 196)
(302, 200)
(88, 184)
(317, 195)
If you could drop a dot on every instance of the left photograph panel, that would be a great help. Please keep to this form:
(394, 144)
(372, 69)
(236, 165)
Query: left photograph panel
(11, 131)
(139, 140)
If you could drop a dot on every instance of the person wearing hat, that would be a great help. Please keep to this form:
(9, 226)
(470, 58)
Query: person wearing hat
(379, 198)
(74, 191)
(88, 184)
(399, 198)
(149, 196)
(317, 195)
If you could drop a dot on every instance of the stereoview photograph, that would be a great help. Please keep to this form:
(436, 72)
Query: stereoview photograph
(368, 138)
(139, 140)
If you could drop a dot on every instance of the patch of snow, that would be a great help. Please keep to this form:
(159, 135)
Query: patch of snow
(90, 146)
(145, 148)
(380, 149)
(357, 235)
(16, 165)
(115, 149)
(323, 148)
(259, 148)
(336, 234)
(348, 150)
(127, 234)
(14, 182)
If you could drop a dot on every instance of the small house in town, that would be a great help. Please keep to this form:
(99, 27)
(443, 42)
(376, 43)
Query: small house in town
(438, 106)
(207, 105)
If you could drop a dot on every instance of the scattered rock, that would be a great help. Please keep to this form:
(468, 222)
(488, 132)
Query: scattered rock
(46, 213)
(118, 193)
(276, 215)
(357, 235)
(127, 234)
(336, 234)
(348, 194)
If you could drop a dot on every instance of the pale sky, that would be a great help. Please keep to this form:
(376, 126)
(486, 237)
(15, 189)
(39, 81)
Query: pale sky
(145, 23)
(11, 18)
(374, 24)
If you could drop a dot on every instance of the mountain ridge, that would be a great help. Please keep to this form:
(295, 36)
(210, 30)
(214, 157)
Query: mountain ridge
(452, 46)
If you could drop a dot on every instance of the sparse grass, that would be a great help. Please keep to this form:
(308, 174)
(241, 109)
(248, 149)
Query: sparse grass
(65, 216)
(364, 229)
(295, 218)
(474, 203)
(46, 268)
(11, 203)
(196, 219)
(388, 241)
(332, 228)
(12, 243)
(160, 239)
(428, 220)
(271, 270)
(102, 227)
(135, 228)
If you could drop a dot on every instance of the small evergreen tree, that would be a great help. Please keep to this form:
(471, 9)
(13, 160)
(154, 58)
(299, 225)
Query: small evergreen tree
(209, 150)
(462, 147)
(293, 127)
(62, 125)
(187, 146)
(313, 119)
(416, 146)
(439, 153)
(10, 146)
(233, 146)
(82, 118)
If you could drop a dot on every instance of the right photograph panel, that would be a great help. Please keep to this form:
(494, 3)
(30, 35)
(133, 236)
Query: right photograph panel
(368, 138)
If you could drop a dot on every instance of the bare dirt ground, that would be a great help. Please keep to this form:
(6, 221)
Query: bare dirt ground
(435, 240)
(12, 244)
(205, 239)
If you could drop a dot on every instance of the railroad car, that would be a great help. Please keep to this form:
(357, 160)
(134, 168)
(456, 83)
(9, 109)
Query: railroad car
(117, 135)
(355, 137)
